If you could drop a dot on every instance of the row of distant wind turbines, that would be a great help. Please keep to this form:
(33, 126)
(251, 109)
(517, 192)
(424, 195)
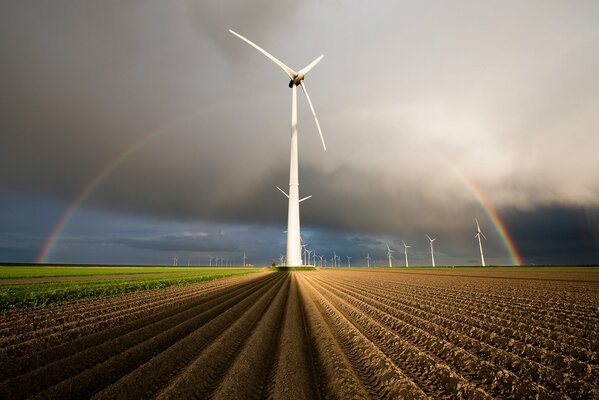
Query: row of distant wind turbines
(478, 235)
(294, 245)
(309, 256)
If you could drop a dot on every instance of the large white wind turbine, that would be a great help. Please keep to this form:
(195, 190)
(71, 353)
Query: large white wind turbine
(368, 259)
(432, 252)
(405, 250)
(480, 246)
(294, 257)
(389, 251)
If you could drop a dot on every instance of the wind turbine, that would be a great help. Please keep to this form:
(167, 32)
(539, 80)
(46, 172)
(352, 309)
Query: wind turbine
(405, 250)
(432, 252)
(210, 260)
(244, 258)
(368, 259)
(348, 261)
(304, 248)
(175, 261)
(294, 256)
(480, 246)
(335, 259)
(389, 251)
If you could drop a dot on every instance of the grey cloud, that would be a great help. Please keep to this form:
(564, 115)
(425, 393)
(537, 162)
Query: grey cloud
(506, 93)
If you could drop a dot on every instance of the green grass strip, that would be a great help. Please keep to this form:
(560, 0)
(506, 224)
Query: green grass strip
(14, 297)
(9, 272)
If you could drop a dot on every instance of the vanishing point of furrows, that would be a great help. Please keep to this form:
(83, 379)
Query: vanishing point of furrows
(310, 335)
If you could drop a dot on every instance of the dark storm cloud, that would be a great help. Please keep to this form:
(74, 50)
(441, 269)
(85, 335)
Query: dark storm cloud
(561, 235)
(185, 242)
(507, 94)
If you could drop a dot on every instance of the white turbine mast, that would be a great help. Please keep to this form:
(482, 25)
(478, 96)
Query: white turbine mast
(175, 261)
(348, 261)
(389, 251)
(368, 259)
(244, 259)
(210, 257)
(432, 252)
(480, 246)
(294, 256)
(405, 250)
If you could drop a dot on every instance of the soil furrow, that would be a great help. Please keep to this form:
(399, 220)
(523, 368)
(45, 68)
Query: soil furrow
(251, 370)
(127, 351)
(201, 377)
(377, 372)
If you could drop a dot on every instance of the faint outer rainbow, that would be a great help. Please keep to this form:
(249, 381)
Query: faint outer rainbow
(89, 187)
(488, 208)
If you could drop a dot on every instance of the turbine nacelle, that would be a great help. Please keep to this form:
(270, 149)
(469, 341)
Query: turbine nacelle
(296, 80)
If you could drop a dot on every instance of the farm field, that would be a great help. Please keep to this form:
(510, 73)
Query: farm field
(34, 286)
(324, 334)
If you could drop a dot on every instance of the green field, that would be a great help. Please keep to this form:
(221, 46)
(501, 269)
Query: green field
(38, 294)
(10, 272)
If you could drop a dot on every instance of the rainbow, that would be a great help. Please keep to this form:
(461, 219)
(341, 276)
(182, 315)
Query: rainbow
(488, 208)
(107, 169)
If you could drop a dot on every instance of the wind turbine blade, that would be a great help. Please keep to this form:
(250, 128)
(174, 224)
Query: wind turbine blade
(429, 238)
(483, 235)
(432, 240)
(282, 191)
(305, 198)
(477, 225)
(303, 85)
(285, 68)
(307, 69)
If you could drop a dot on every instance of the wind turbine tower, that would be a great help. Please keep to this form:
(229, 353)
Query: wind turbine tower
(368, 259)
(389, 251)
(405, 250)
(348, 261)
(294, 255)
(244, 259)
(432, 252)
(480, 245)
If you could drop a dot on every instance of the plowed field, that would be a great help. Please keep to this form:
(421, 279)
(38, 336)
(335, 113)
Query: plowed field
(310, 335)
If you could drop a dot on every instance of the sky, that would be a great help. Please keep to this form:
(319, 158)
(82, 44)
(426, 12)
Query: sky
(134, 132)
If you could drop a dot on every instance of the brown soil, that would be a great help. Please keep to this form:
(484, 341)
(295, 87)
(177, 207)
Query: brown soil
(310, 335)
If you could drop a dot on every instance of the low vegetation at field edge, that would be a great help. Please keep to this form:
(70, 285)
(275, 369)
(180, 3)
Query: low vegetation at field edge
(13, 297)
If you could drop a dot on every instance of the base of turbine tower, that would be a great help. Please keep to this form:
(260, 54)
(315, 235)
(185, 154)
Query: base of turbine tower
(283, 268)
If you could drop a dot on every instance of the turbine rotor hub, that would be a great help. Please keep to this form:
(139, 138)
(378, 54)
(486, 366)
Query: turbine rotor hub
(297, 80)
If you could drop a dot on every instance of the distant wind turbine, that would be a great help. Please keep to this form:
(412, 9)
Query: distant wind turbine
(389, 251)
(175, 261)
(244, 259)
(405, 250)
(348, 261)
(294, 257)
(480, 246)
(432, 252)
(368, 259)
